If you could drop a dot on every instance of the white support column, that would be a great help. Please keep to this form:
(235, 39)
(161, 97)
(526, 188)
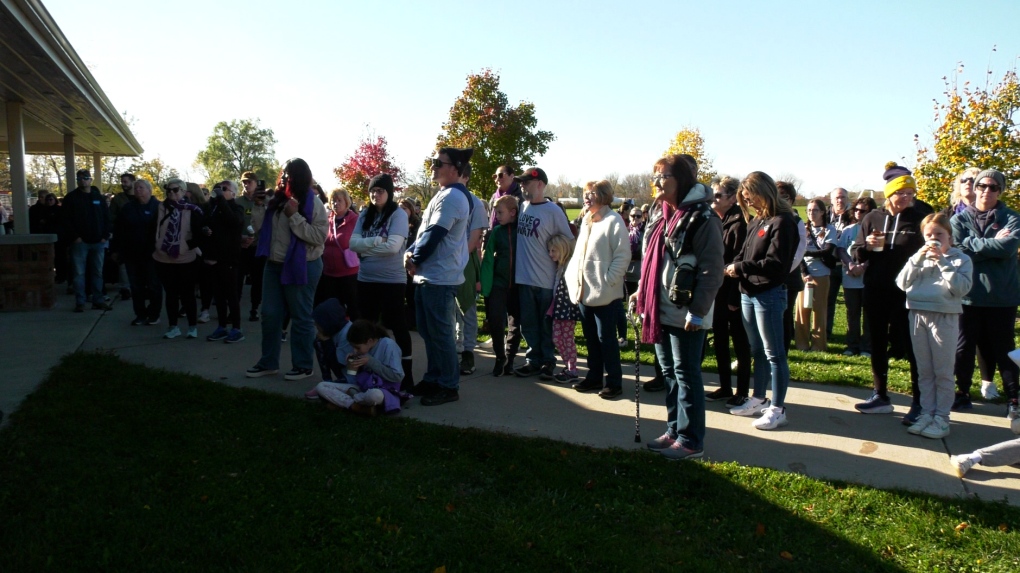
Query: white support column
(16, 149)
(97, 170)
(69, 163)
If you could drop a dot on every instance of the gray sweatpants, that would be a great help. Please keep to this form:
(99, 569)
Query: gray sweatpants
(1001, 454)
(933, 336)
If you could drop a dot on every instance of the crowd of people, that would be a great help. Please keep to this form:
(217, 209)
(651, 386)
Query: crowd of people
(940, 289)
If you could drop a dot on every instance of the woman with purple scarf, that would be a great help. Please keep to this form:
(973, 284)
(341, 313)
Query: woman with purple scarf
(681, 271)
(292, 238)
(176, 253)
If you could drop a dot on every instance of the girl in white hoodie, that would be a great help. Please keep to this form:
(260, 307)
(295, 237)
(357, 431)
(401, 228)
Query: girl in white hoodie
(935, 279)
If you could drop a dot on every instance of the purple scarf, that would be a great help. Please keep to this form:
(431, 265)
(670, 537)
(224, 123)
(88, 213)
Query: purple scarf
(172, 237)
(295, 262)
(651, 273)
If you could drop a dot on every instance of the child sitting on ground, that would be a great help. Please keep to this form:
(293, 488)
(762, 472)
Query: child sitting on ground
(564, 313)
(498, 288)
(331, 346)
(935, 279)
(374, 373)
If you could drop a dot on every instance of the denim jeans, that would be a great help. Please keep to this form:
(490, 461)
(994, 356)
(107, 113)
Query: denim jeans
(599, 326)
(434, 306)
(763, 321)
(536, 326)
(279, 300)
(93, 253)
(679, 355)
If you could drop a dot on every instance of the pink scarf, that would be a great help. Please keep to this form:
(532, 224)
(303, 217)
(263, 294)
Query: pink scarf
(651, 273)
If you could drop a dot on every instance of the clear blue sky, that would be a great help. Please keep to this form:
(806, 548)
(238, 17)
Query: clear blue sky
(825, 91)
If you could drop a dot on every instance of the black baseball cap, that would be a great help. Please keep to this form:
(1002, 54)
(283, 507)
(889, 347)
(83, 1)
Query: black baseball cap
(532, 173)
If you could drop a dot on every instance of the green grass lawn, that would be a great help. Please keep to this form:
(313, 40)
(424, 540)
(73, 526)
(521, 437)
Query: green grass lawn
(115, 466)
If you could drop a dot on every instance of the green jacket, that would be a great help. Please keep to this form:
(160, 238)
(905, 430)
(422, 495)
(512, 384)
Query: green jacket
(498, 258)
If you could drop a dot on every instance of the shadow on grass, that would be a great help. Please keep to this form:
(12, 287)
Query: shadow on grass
(117, 466)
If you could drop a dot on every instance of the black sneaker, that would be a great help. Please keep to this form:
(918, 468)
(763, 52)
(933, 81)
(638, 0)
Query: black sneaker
(442, 396)
(719, 394)
(139, 321)
(297, 374)
(546, 372)
(101, 306)
(962, 402)
(657, 384)
(587, 385)
(283, 337)
(467, 362)
(508, 370)
(259, 371)
(736, 401)
(253, 316)
(424, 389)
(610, 393)
(125, 294)
(528, 369)
(79, 308)
(499, 368)
(566, 376)
(152, 321)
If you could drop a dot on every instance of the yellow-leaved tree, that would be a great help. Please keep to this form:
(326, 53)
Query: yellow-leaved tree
(689, 140)
(974, 128)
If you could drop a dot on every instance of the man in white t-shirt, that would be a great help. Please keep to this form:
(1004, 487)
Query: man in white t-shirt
(535, 274)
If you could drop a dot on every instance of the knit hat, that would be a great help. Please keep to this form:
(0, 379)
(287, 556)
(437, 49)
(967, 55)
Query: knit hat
(382, 180)
(993, 174)
(896, 178)
(330, 316)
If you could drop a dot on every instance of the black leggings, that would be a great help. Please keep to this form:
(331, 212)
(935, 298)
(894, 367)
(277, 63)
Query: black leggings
(889, 323)
(727, 324)
(989, 330)
(179, 283)
(384, 303)
(344, 289)
(223, 277)
(503, 312)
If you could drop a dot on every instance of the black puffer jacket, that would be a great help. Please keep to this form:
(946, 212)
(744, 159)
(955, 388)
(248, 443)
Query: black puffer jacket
(225, 220)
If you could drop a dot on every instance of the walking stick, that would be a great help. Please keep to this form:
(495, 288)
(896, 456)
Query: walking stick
(636, 321)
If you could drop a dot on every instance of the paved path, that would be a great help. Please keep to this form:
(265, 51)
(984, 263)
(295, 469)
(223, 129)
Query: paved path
(826, 437)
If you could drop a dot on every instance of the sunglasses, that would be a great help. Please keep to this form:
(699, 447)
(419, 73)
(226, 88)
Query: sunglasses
(720, 196)
(439, 163)
(967, 180)
(990, 187)
(498, 176)
(859, 210)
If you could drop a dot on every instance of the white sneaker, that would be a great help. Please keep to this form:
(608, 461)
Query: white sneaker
(865, 355)
(193, 332)
(988, 390)
(922, 422)
(1013, 415)
(773, 418)
(752, 407)
(734, 365)
(174, 332)
(203, 317)
(1014, 355)
(848, 352)
(961, 463)
(937, 429)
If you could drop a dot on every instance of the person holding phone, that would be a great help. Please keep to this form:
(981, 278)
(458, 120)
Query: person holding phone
(250, 267)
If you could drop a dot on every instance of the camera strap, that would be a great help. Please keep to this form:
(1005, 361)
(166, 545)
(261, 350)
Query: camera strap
(681, 237)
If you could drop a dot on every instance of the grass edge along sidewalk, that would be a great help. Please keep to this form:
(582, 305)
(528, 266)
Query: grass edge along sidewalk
(117, 466)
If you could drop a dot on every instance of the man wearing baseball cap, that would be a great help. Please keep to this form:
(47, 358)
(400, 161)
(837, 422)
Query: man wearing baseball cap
(254, 205)
(86, 228)
(535, 274)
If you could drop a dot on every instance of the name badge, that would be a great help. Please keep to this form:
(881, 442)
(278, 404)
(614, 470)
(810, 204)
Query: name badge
(95, 202)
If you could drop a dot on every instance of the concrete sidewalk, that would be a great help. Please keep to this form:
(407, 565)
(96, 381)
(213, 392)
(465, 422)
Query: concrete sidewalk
(826, 437)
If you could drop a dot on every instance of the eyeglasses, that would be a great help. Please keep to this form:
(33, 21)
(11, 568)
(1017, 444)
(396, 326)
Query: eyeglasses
(814, 211)
(658, 178)
(990, 187)
(438, 163)
(967, 180)
(173, 189)
(720, 196)
(498, 176)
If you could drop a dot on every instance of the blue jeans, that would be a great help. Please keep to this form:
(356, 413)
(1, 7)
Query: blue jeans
(94, 253)
(598, 323)
(763, 321)
(434, 307)
(535, 325)
(277, 301)
(679, 356)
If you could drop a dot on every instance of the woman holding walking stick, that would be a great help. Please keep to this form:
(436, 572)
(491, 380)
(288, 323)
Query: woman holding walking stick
(681, 271)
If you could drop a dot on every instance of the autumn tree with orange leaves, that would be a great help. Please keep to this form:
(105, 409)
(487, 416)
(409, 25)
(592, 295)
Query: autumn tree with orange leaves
(689, 140)
(482, 118)
(974, 128)
(370, 159)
